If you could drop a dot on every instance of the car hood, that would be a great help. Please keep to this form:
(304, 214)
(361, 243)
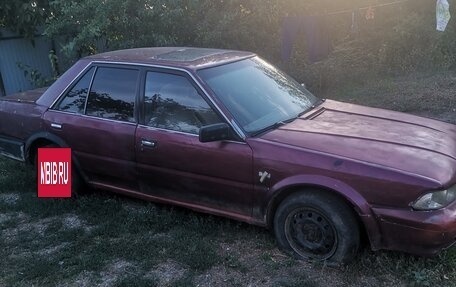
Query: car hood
(395, 140)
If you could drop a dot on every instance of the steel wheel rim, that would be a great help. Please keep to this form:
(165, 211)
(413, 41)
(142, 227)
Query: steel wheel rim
(310, 234)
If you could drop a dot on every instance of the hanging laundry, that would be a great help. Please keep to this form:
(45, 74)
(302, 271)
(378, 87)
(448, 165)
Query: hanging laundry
(443, 14)
(316, 32)
(318, 38)
(370, 13)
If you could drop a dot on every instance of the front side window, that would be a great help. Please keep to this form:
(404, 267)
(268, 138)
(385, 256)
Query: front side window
(173, 103)
(74, 101)
(113, 94)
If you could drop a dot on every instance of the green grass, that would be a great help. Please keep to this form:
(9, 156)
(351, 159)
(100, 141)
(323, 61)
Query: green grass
(101, 238)
(430, 94)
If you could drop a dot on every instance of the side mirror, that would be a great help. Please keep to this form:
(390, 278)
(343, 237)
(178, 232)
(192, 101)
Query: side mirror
(215, 132)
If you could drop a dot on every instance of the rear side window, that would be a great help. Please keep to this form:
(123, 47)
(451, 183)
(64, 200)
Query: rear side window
(113, 94)
(74, 101)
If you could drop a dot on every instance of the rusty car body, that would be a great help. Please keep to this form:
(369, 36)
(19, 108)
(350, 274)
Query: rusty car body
(224, 132)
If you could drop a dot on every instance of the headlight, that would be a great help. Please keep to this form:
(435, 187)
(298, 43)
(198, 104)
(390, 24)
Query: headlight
(435, 200)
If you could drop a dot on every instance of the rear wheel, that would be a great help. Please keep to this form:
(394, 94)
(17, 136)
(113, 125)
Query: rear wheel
(318, 226)
(77, 183)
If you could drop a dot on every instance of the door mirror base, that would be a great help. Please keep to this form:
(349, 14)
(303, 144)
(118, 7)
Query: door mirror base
(215, 132)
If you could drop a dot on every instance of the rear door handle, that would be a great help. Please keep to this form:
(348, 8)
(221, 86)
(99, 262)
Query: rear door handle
(148, 143)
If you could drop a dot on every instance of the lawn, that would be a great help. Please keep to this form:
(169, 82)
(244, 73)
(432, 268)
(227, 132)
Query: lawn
(106, 240)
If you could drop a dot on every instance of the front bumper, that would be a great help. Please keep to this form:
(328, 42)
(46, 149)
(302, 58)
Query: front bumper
(418, 232)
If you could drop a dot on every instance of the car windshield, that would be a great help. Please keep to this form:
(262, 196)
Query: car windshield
(258, 95)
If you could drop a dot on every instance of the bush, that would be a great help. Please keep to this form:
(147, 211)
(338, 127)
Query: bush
(401, 39)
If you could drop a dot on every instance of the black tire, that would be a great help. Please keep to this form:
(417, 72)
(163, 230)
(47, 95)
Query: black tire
(317, 226)
(77, 183)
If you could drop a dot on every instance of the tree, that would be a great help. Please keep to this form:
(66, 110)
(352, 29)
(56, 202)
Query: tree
(88, 26)
(23, 16)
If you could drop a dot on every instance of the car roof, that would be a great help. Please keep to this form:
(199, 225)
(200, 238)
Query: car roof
(186, 57)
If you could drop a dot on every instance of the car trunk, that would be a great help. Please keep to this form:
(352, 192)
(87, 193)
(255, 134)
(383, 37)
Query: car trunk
(20, 117)
(28, 96)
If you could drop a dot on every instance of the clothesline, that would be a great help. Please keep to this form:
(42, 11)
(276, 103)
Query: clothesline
(367, 7)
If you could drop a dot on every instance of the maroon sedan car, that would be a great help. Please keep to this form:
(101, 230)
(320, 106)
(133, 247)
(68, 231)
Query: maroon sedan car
(226, 133)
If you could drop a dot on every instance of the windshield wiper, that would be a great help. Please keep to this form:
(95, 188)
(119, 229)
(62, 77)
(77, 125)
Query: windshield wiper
(279, 123)
(283, 122)
(309, 109)
(270, 127)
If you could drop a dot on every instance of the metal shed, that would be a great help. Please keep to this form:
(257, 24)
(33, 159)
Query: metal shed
(14, 49)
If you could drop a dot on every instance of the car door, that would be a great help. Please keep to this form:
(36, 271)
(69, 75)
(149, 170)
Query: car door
(173, 164)
(96, 118)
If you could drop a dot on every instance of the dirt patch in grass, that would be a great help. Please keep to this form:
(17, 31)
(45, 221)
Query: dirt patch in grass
(74, 222)
(38, 228)
(167, 273)
(9, 198)
(248, 263)
(113, 271)
(52, 250)
(10, 216)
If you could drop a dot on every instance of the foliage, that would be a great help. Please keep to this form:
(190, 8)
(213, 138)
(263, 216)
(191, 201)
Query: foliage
(36, 78)
(23, 16)
(91, 25)
(402, 39)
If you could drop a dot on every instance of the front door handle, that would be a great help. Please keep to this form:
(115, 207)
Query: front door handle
(56, 126)
(148, 143)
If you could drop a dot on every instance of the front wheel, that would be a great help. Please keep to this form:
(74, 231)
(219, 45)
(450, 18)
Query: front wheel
(317, 226)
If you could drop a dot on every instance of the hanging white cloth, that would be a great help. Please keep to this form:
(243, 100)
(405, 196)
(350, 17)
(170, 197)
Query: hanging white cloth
(443, 14)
